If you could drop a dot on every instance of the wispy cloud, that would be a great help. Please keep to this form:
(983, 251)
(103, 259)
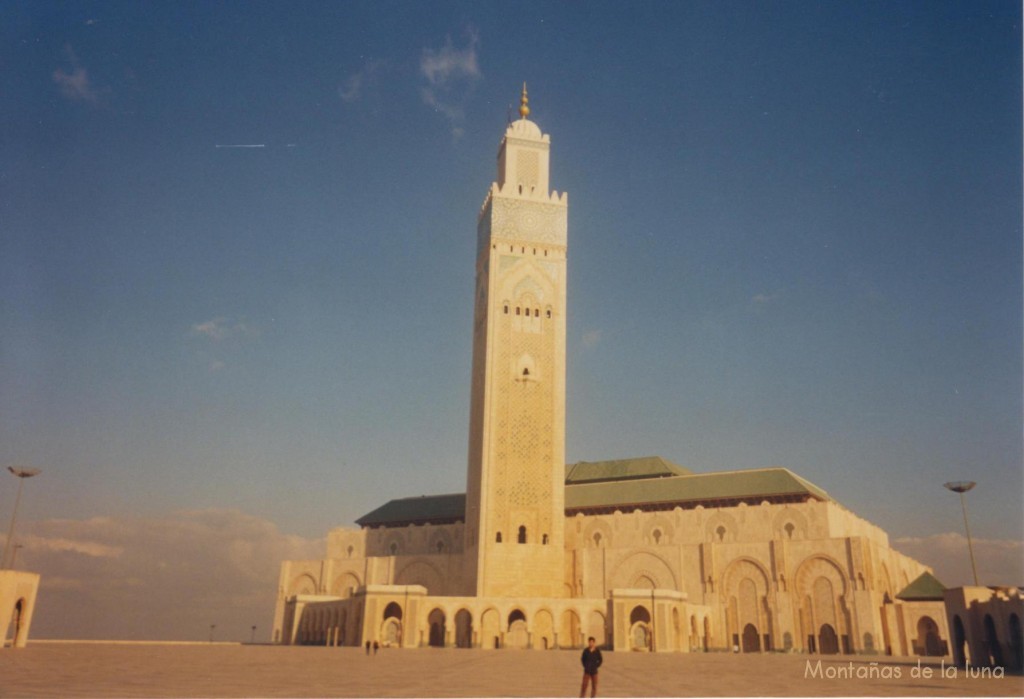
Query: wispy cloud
(75, 84)
(591, 338)
(66, 545)
(451, 73)
(220, 328)
(130, 577)
(999, 561)
(765, 299)
(353, 88)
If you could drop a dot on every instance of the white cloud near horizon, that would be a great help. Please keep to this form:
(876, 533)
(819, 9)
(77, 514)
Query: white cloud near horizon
(999, 561)
(159, 578)
(76, 84)
(451, 73)
(221, 328)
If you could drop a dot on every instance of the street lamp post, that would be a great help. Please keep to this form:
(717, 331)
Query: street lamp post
(962, 487)
(212, 627)
(22, 474)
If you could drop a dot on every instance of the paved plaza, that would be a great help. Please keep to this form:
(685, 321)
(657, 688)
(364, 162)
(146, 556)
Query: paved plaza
(227, 670)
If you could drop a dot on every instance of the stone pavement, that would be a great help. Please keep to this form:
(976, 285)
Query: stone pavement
(228, 670)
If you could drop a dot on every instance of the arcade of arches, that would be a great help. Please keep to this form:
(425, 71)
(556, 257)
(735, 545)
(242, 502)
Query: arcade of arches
(640, 553)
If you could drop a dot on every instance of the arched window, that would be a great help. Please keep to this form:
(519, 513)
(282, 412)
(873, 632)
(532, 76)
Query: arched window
(393, 548)
(517, 310)
(497, 539)
(526, 371)
(544, 539)
(506, 309)
(597, 539)
(350, 550)
(790, 528)
(522, 535)
(549, 313)
(440, 547)
(721, 533)
(657, 536)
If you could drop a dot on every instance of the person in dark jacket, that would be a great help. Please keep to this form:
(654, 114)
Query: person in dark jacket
(591, 660)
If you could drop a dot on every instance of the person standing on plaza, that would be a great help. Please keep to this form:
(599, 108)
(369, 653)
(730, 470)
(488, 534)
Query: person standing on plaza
(367, 647)
(591, 660)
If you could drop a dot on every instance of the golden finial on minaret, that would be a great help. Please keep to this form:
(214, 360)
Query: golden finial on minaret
(524, 104)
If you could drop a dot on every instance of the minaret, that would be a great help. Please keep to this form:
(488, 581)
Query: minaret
(515, 499)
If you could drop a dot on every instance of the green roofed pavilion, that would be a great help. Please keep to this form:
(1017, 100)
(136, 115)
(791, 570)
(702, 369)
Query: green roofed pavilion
(925, 588)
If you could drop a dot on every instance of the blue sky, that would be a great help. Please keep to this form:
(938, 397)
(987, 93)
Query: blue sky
(795, 239)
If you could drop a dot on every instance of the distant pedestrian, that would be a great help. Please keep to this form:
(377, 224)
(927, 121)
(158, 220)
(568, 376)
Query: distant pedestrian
(376, 647)
(367, 647)
(591, 660)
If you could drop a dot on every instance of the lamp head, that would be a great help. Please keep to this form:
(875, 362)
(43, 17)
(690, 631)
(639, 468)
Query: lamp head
(24, 472)
(959, 486)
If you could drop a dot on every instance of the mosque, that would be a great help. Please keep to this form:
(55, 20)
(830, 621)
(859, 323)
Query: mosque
(640, 553)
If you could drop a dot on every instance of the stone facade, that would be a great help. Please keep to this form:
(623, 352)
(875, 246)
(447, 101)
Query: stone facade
(748, 561)
(985, 624)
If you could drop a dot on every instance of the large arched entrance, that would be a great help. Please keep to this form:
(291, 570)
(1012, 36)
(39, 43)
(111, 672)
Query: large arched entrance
(517, 636)
(435, 621)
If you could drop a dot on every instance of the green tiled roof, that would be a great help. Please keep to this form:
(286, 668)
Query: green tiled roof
(436, 509)
(589, 487)
(694, 488)
(621, 470)
(925, 587)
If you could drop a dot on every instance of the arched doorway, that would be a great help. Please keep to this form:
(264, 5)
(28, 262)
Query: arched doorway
(928, 639)
(828, 641)
(1016, 643)
(707, 633)
(543, 632)
(463, 629)
(435, 620)
(640, 629)
(15, 624)
(751, 639)
(678, 628)
(569, 636)
(391, 628)
(959, 642)
(517, 636)
(489, 629)
(995, 650)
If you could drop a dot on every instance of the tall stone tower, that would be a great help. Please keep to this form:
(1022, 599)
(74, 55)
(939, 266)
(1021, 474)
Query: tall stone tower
(515, 499)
